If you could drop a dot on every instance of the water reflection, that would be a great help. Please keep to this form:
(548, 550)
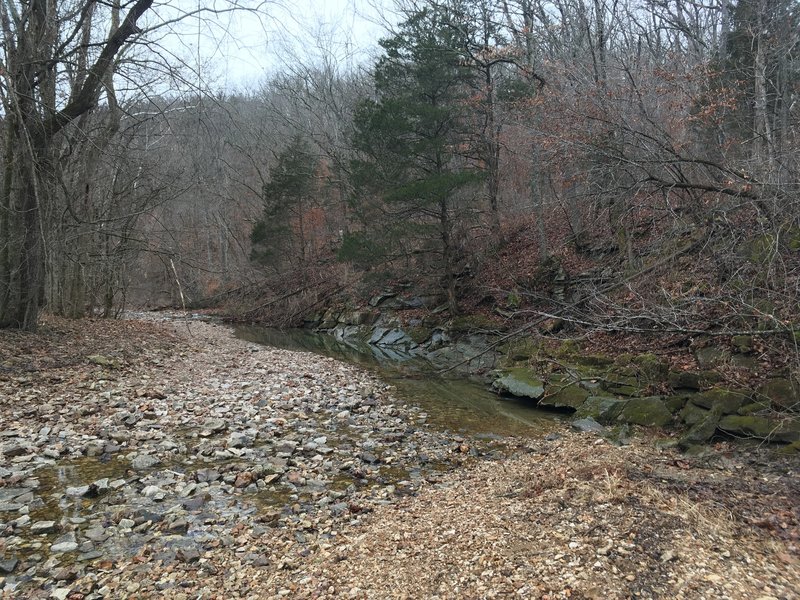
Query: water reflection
(455, 404)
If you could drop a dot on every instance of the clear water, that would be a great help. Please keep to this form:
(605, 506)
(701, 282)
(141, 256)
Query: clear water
(454, 404)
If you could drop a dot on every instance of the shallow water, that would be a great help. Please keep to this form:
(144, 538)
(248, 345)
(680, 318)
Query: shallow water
(454, 404)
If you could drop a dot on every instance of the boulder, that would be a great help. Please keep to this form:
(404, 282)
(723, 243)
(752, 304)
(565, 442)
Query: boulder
(702, 431)
(710, 357)
(564, 395)
(562, 392)
(521, 383)
(604, 409)
(781, 393)
(728, 401)
(676, 403)
(588, 425)
(693, 414)
(649, 412)
(773, 430)
(684, 380)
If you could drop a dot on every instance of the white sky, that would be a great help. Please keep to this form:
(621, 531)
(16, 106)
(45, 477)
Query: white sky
(283, 30)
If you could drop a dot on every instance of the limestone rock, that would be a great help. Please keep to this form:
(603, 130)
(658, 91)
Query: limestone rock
(604, 409)
(649, 412)
(781, 393)
(728, 401)
(763, 428)
(684, 380)
(521, 383)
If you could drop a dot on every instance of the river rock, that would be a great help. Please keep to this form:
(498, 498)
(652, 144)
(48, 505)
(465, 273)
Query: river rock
(727, 401)
(143, 462)
(761, 427)
(8, 565)
(62, 547)
(781, 393)
(649, 412)
(521, 383)
(40, 527)
(212, 426)
(588, 425)
(239, 439)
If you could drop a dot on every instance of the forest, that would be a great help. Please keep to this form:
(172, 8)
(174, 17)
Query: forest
(645, 151)
(506, 304)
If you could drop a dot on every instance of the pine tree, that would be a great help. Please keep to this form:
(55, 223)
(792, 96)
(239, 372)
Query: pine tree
(413, 143)
(281, 231)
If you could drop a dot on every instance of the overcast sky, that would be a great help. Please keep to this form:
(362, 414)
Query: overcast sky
(258, 45)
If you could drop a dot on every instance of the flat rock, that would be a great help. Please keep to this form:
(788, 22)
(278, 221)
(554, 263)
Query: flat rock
(62, 547)
(43, 527)
(588, 425)
(8, 565)
(143, 462)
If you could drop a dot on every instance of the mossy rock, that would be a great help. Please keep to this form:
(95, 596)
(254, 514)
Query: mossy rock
(743, 344)
(752, 408)
(420, 334)
(781, 393)
(711, 356)
(676, 403)
(702, 431)
(692, 414)
(728, 401)
(603, 409)
(593, 360)
(564, 395)
(651, 368)
(684, 380)
(790, 449)
(520, 382)
(773, 430)
(622, 385)
(648, 412)
(522, 349)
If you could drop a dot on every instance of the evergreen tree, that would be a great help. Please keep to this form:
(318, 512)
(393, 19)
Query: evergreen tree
(413, 143)
(281, 231)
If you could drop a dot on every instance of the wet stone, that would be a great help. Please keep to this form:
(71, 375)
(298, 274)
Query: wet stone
(64, 547)
(144, 462)
(43, 527)
(8, 565)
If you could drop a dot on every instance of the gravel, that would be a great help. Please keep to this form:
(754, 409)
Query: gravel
(195, 465)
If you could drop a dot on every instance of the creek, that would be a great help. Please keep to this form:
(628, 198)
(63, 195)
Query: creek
(456, 404)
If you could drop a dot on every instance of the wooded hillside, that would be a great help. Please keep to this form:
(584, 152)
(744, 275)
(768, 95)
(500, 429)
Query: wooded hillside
(627, 165)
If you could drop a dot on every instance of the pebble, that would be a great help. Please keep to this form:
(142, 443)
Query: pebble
(284, 450)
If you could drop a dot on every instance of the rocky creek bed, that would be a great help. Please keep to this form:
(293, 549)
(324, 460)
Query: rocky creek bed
(150, 458)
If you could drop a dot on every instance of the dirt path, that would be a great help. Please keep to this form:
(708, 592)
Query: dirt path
(275, 474)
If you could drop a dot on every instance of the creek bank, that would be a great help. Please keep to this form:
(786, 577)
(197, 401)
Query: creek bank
(615, 391)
